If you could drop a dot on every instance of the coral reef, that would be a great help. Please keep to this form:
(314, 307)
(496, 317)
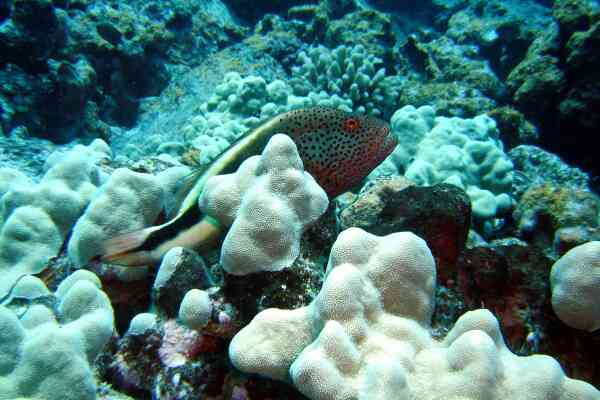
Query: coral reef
(510, 278)
(180, 271)
(350, 73)
(557, 218)
(439, 214)
(502, 32)
(35, 219)
(28, 155)
(535, 167)
(514, 129)
(48, 348)
(107, 106)
(556, 82)
(378, 296)
(463, 152)
(96, 59)
(128, 201)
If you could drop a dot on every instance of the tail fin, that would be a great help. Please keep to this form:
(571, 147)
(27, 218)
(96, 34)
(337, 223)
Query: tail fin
(128, 249)
(147, 246)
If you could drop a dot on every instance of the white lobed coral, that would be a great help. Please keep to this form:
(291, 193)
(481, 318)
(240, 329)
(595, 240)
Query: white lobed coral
(128, 201)
(35, 219)
(410, 125)
(195, 309)
(47, 354)
(465, 152)
(366, 336)
(268, 202)
(10, 178)
(142, 323)
(575, 282)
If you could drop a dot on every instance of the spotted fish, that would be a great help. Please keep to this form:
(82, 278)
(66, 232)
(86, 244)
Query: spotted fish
(338, 149)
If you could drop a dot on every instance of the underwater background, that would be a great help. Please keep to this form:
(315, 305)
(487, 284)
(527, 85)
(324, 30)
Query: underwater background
(395, 199)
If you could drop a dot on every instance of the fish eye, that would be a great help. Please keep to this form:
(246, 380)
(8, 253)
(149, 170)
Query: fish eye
(351, 124)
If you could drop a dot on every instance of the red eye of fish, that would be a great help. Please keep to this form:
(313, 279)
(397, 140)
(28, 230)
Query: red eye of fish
(351, 124)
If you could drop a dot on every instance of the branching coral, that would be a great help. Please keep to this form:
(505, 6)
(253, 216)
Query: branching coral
(350, 73)
(243, 103)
